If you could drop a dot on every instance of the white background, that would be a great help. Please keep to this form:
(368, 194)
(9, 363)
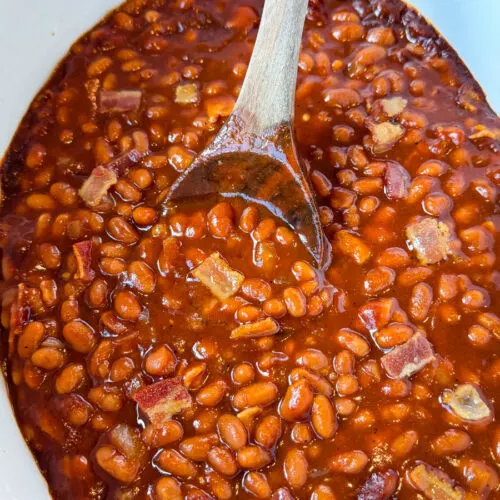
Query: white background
(35, 34)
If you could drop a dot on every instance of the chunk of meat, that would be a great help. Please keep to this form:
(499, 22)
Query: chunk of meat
(397, 181)
(119, 101)
(187, 94)
(377, 313)
(430, 239)
(19, 315)
(123, 162)
(408, 358)
(467, 402)
(96, 186)
(83, 254)
(261, 328)
(215, 273)
(162, 400)
(379, 486)
(434, 483)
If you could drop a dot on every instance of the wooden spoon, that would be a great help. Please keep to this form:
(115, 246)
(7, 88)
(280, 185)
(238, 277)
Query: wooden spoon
(254, 156)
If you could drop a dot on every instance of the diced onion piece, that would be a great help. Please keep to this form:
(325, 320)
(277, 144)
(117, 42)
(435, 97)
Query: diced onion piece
(467, 402)
(433, 483)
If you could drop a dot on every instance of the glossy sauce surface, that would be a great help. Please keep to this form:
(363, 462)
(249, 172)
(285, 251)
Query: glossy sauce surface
(378, 378)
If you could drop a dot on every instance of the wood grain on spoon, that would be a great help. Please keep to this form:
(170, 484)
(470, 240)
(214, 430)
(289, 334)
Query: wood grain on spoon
(254, 154)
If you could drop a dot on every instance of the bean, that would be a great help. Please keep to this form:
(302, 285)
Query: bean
(196, 448)
(253, 457)
(350, 462)
(295, 468)
(222, 460)
(268, 431)
(167, 488)
(450, 442)
(257, 394)
(323, 417)
(127, 306)
(160, 361)
(79, 336)
(297, 402)
(212, 394)
(232, 431)
(257, 484)
(174, 463)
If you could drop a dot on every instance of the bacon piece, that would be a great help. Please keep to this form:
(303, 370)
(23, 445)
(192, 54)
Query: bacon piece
(83, 254)
(282, 494)
(434, 483)
(467, 402)
(377, 313)
(260, 328)
(430, 239)
(187, 94)
(161, 400)
(215, 273)
(408, 358)
(122, 163)
(397, 181)
(20, 311)
(96, 186)
(379, 486)
(119, 101)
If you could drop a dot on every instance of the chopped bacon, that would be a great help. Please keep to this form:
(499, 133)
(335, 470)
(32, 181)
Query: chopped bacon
(260, 328)
(408, 358)
(282, 494)
(96, 186)
(379, 486)
(119, 101)
(215, 273)
(430, 239)
(467, 402)
(397, 181)
(187, 94)
(377, 313)
(19, 315)
(122, 163)
(161, 400)
(434, 483)
(83, 254)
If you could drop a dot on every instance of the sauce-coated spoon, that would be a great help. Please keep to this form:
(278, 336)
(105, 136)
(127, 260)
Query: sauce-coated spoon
(253, 155)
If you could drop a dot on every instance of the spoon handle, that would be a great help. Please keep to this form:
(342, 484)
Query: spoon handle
(267, 96)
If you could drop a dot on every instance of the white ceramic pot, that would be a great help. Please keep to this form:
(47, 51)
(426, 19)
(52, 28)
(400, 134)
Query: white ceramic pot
(36, 34)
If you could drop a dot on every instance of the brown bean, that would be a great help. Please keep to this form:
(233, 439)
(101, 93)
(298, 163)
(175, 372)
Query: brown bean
(295, 468)
(222, 460)
(174, 463)
(257, 485)
(350, 462)
(268, 431)
(79, 336)
(323, 417)
(232, 431)
(197, 447)
(257, 394)
(297, 402)
(212, 394)
(253, 457)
